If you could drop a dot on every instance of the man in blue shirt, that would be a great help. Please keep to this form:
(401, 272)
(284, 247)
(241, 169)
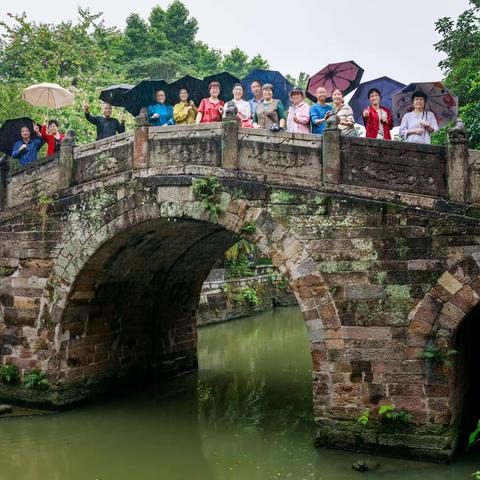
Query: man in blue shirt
(26, 149)
(318, 111)
(160, 113)
(256, 89)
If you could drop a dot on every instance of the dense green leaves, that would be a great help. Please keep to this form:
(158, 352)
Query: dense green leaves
(86, 56)
(461, 44)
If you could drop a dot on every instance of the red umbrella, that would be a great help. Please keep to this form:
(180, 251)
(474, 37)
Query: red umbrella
(344, 75)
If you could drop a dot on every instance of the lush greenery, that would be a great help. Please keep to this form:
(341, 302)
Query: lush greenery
(9, 374)
(36, 379)
(239, 268)
(461, 44)
(163, 46)
(438, 355)
(389, 416)
(208, 191)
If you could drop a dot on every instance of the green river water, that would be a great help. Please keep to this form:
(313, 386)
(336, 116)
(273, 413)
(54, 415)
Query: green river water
(246, 415)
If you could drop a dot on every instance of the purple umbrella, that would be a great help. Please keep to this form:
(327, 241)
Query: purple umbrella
(387, 87)
(344, 75)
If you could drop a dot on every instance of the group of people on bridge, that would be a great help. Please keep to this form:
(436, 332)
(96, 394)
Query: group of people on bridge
(262, 111)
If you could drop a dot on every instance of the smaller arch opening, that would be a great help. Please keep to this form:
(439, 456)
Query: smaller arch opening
(466, 388)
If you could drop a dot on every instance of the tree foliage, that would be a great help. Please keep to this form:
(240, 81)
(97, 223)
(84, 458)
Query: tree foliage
(460, 43)
(86, 56)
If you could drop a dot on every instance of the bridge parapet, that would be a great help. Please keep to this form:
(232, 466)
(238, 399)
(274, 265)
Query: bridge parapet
(450, 172)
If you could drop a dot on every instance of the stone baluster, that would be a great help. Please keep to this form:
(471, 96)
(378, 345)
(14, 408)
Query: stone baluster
(331, 153)
(457, 163)
(66, 161)
(230, 140)
(141, 151)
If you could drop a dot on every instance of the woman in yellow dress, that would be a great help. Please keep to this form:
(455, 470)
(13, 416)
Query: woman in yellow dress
(185, 111)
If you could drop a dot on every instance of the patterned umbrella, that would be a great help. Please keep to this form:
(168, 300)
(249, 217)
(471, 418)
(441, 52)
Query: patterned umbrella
(10, 132)
(192, 84)
(359, 100)
(281, 86)
(143, 95)
(226, 80)
(115, 94)
(440, 101)
(344, 75)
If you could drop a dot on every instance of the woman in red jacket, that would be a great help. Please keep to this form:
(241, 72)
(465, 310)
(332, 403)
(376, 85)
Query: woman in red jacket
(378, 120)
(53, 138)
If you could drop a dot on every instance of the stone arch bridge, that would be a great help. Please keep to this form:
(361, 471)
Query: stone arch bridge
(104, 249)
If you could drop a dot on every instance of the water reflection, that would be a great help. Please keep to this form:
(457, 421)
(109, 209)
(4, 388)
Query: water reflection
(247, 414)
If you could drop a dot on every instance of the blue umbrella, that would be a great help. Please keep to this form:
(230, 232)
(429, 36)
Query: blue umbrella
(387, 87)
(143, 95)
(281, 86)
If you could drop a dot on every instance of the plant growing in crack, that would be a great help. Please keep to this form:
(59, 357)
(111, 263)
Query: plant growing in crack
(208, 191)
(435, 354)
(44, 203)
(249, 227)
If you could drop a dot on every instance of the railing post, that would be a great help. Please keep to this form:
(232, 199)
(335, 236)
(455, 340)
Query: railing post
(331, 160)
(3, 181)
(66, 161)
(457, 163)
(141, 152)
(230, 141)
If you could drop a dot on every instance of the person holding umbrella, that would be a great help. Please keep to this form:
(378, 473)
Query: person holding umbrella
(160, 113)
(343, 113)
(106, 125)
(51, 135)
(26, 149)
(319, 110)
(270, 113)
(298, 120)
(418, 124)
(185, 111)
(243, 107)
(211, 108)
(378, 120)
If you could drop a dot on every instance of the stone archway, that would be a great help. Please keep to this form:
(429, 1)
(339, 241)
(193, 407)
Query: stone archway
(97, 251)
(444, 319)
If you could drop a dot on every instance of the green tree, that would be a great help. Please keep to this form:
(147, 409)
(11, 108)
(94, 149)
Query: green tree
(461, 44)
(135, 38)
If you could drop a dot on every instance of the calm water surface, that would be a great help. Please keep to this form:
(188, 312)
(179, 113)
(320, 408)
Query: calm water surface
(246, 415)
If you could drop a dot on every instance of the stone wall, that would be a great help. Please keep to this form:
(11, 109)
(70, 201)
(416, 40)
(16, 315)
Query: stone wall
(220, 298)
(29, 183)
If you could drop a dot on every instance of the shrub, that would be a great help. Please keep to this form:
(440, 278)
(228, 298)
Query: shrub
(9, 374)
(36, 379)
(388, 414)
(249, 295)
(208, 191)
(239, 268)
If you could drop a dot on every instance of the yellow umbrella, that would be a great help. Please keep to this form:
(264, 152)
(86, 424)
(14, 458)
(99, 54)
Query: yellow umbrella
(49, 95)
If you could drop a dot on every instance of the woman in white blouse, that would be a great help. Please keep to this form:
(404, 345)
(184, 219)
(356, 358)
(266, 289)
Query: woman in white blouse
(418, 124)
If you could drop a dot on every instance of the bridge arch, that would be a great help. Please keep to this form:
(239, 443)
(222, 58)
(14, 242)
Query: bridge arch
(448, 318)
(81, 305)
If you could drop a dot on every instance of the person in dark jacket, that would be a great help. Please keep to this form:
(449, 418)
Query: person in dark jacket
(106, 125)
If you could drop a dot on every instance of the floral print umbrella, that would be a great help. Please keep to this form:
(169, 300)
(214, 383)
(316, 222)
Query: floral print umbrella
(442, 102)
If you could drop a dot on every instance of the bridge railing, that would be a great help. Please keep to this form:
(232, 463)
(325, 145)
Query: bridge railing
(452, 172)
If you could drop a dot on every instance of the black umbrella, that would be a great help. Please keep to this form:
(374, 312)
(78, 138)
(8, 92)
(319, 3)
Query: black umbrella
(192, 84)
(115, 94)
(10, 132)
(143, 95)
(226, 81)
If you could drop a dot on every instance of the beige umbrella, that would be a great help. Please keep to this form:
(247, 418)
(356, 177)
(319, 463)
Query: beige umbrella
(49, 95)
